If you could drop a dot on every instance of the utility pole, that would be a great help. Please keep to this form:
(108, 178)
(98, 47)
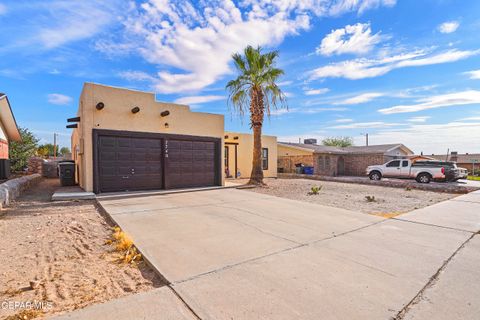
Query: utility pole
(54, 146)
(366, 138)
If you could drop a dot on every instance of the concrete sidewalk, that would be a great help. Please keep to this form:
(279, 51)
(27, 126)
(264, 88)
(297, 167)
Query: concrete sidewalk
(232, 254)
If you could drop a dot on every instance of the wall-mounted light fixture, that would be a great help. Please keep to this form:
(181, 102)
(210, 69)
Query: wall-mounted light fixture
(235, 138)
(135, 109)
(166, 125)
(164, 113)
(100, 106)
(226, 137)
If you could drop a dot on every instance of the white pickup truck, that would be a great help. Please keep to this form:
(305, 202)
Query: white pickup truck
(422, 171)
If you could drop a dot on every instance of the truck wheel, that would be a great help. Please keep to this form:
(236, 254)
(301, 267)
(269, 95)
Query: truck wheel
(424, 178)
(375, 175)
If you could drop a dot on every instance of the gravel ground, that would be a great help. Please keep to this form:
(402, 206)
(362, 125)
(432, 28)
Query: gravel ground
(61, 247)
(388, 201)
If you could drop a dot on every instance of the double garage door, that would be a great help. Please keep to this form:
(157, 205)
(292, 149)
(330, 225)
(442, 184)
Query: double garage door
(130, 161)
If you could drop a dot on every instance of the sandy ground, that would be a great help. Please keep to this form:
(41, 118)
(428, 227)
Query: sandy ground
(388, 201)
(61, 246)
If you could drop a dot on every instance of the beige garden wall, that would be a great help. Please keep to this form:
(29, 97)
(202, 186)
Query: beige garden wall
(117, 115)
(245, 153)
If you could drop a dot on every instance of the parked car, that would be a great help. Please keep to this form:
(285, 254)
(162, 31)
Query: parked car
(421, 171)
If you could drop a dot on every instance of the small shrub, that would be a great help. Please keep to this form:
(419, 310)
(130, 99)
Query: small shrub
(408, 189)
(124, 245)
(315, 190)
(370, 198)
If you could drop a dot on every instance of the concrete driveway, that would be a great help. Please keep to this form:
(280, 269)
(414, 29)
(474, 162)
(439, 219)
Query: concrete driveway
(233, 254)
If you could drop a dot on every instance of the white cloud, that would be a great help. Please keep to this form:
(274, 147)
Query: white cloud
(367, 125)
(368, 68)
(61, 22)
(343, 120)
(198, 99)
(356, 39)
(433, 138)
(470, 119)
(3, 9)
(360, 6)
(419, 119)
(439, 101)
(448, 27)
(197, 42)
(474, 74)
(136, 76)
(60, 99)
(362, 98)
(305, 110)
(312, 92)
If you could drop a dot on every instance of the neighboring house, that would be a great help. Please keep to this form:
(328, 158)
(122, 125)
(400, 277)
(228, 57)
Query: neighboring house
(126, 140)
(238, 151)
(337, 161)
(8, 126)
(468, 161)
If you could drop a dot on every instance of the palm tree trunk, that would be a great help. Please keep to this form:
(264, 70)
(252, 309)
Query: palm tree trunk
(256, 121)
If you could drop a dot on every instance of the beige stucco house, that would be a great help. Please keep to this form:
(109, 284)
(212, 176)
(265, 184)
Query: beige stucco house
(336, 161)
(238, 150)
(126, 140)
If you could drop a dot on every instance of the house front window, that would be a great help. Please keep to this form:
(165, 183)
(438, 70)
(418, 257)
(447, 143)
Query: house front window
(265, 158)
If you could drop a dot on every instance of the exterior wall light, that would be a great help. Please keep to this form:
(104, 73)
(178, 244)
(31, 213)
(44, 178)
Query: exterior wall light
(235, 138)
(135, 109)
(226, 137)
(166, 125)
(165, 113)
(100, 106)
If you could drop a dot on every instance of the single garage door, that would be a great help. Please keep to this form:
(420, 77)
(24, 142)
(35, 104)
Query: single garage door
(189, 163)
(127, 163)
(130, 161)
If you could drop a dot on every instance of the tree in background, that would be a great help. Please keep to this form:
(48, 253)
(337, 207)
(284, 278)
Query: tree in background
(255, 90)
(21, 151)
(338, 141)
(47, 150)
(64, 150)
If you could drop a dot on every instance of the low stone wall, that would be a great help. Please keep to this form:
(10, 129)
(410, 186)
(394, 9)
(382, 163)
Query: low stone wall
(394, 183)
(12, 189)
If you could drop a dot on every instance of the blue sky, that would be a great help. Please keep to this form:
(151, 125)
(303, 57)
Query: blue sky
(402, 71)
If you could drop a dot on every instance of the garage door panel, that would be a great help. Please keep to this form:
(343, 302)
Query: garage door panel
(190, 164)
(127, 163)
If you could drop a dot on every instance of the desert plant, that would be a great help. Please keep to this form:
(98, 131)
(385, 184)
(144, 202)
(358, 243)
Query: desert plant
(408, 188)
(370, 198)
(124, 245)
(315, 190)
(256, 90)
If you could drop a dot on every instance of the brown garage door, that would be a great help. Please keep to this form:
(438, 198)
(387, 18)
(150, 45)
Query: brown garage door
(127, 163)
(189, 163)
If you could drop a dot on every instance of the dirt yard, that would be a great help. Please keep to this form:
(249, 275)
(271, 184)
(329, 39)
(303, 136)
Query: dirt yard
(386, 202)
(60, 248)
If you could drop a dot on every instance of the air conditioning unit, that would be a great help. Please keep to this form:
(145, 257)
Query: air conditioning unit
(4, 169)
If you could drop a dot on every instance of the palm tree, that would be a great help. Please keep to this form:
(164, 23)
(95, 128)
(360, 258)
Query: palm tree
(255, 89)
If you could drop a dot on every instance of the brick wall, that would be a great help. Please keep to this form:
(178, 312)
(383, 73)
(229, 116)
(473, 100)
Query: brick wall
(326, 164)
(356, 164)
(288, 162)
